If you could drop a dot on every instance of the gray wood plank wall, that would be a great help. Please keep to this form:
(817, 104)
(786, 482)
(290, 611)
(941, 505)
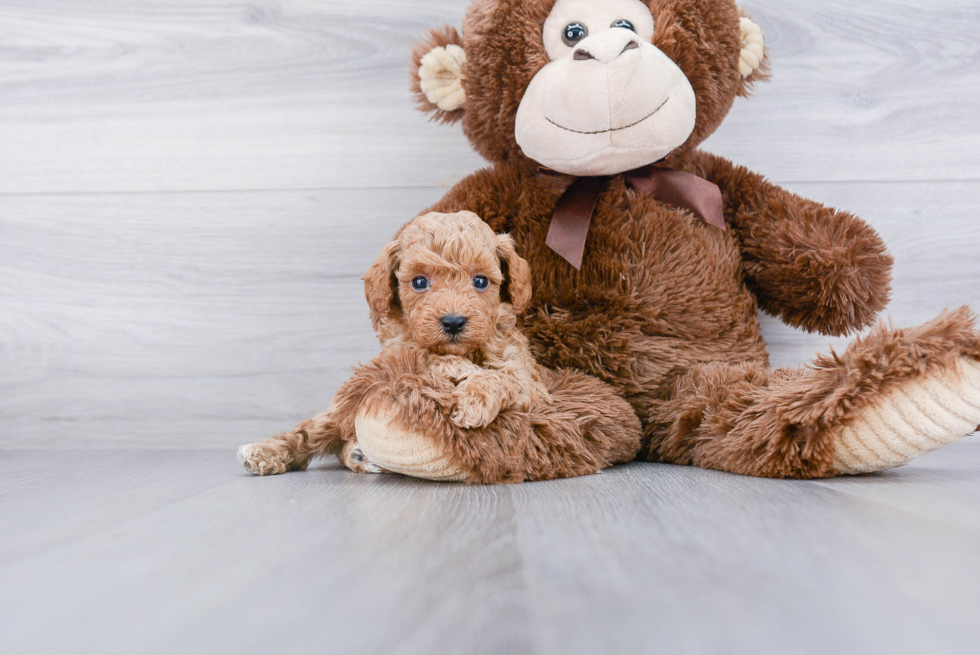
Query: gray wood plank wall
(191, 189)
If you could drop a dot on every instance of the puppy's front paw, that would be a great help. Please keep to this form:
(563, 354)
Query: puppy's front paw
(474, 408)
(259, 459)
(456, 369)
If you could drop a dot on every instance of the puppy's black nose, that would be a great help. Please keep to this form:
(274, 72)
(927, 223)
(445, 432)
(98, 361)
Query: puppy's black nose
(453, 324)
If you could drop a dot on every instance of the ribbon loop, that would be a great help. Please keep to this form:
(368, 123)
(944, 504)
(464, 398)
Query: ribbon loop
(569, 227)
(695, 194)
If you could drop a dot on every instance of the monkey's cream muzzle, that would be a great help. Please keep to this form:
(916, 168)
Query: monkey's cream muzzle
(611, 104)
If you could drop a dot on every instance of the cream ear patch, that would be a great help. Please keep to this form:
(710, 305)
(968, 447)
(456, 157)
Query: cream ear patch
(753, 47)
(441, 77)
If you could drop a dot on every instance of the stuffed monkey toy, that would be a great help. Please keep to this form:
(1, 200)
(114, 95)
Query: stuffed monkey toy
(650, 258)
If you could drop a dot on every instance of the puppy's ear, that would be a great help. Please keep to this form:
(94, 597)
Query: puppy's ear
(438, 64)
(517, 275)
(381, 284)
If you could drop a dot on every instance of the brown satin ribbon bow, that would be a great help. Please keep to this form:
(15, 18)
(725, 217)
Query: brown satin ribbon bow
(573, 214)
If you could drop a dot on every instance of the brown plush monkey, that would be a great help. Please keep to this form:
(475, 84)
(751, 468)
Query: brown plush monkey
(650, 258)
(660, 275)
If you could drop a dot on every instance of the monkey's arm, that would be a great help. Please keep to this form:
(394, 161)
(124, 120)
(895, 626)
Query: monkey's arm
(816, 268)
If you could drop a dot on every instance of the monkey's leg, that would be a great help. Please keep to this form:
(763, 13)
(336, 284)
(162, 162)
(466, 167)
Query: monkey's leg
(890, 397)
(585, 428)
(397, 413)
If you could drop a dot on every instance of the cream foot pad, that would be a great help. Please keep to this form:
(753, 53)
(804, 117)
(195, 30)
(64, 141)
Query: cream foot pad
(401, 451)
(913, 419)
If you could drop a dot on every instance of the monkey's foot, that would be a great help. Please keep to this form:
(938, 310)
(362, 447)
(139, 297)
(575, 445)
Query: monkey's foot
(917, 417)
(387, 444)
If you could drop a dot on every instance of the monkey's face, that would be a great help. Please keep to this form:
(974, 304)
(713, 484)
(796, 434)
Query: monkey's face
(589, 87)
(609, 100)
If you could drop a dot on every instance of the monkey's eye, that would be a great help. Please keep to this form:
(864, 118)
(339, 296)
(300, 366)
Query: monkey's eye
(481, 283)
(625, 24)
(574, 33)
(420, 283)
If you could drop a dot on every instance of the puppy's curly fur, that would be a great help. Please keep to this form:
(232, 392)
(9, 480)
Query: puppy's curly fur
(469, 384)
(488, 360)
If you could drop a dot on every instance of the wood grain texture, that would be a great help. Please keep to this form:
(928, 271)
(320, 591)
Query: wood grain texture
(107, 96)
(176, 318)
(198, 320)
(162, 552)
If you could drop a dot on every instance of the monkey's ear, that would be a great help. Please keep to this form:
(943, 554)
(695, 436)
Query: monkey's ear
(516, 288)
(753, 63)
(438, 66)
(381, 285)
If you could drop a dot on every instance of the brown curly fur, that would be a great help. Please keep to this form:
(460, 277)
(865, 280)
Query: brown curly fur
(479, 395)
(664, 308)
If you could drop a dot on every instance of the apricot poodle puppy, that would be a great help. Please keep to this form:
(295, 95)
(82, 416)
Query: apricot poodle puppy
(444, 298)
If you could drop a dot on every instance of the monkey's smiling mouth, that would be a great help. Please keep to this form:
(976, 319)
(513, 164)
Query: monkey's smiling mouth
(613, 129)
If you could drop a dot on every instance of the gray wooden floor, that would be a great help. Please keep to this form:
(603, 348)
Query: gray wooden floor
(189, 193)
(139, 551)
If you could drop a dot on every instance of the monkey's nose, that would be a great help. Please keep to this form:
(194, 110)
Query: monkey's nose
(453, 324)
(607, 46)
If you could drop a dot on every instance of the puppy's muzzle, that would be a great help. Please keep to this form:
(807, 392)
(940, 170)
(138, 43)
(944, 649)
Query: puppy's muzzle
(453, 324)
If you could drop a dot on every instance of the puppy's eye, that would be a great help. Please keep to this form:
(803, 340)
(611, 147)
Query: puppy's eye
(574, 33)
(481, 283)
(420, 283)
(625, 24)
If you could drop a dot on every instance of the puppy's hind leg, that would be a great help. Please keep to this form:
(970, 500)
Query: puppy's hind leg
(292, 451)
(353, 458)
